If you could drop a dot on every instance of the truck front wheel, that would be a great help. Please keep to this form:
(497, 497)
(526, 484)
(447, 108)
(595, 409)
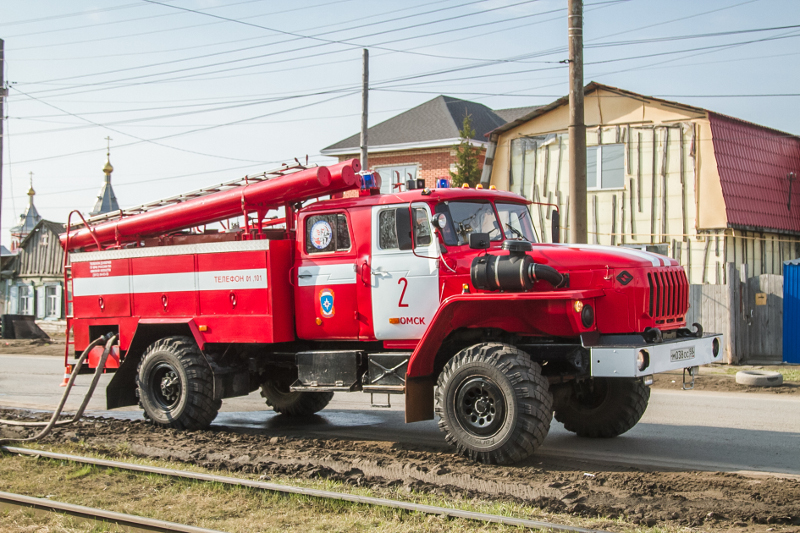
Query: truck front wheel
(494, 404)
(289, 403)
(603, 407)
(176, 386)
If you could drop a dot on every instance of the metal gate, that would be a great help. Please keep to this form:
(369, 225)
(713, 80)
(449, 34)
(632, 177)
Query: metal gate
(791, 311)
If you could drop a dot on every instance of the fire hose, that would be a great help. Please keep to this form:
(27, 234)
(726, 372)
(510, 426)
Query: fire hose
(54, 422)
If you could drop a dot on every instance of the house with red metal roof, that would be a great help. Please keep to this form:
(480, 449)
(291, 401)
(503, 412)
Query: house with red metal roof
(701, 187)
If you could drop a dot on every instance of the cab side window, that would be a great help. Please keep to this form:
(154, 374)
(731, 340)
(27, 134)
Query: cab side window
(387, 227)
(327, 233)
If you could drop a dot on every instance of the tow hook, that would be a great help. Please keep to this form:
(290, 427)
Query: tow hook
(653, 335)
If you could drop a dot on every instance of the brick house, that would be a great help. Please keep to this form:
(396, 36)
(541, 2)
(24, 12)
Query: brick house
(421, 142)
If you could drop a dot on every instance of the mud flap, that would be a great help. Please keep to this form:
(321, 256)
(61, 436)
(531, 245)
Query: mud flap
(121, 391)
(419, 399)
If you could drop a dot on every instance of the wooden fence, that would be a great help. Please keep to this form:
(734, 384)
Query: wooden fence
(748, 311)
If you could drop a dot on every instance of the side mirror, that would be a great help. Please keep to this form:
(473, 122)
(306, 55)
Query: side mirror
(402, 226)
(555, 219)
(479, 241)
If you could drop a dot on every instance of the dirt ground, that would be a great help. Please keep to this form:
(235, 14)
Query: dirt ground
(641, 497)
(33, 346)
(722, 378)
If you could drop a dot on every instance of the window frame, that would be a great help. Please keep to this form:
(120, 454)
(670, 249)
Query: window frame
(387, 178)
(598, 148)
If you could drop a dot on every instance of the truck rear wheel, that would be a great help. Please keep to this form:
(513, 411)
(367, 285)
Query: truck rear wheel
(494, 404)
(176, 386)
(289, 403)
(603, 407)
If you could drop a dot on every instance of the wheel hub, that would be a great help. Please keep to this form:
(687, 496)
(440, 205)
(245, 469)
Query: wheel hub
(170, 386)
(166, 385)
(480, 406)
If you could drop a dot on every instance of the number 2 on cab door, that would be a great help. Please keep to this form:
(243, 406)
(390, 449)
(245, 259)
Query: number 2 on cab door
(404, 282)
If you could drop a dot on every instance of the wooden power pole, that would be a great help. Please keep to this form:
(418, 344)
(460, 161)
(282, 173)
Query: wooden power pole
(364, 109)
(577, 127)
(2, 118)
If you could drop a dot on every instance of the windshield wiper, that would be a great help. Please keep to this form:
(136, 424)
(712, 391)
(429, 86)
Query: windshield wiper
(516, 232)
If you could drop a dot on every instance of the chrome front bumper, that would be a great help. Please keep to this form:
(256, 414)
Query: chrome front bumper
(618, 355)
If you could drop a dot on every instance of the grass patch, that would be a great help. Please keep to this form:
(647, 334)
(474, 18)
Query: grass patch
(238, 509)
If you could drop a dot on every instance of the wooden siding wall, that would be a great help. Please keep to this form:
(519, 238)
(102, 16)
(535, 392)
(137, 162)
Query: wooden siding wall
(41, 259)
(657, 205)
(752, 332)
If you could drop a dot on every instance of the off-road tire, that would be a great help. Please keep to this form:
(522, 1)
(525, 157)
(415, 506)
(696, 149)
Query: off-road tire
(513, 385)
(298, 404)
(189, 402)
(613, 406)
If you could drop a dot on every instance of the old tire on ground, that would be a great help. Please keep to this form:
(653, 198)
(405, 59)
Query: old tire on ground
(289, 403)
(603, 407)
(176, 386)
(493, 403)
(759, 378)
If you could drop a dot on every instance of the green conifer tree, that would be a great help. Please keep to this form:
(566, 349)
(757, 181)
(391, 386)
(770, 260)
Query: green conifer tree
(467, 158)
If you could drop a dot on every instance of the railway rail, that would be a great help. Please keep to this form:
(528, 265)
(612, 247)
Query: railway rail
(286, 489)
(130, 522)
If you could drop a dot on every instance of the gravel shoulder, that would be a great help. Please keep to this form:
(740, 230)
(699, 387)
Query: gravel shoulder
(665, 498)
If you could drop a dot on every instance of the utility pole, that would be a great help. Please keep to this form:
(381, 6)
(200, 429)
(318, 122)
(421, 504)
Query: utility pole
(577, 127)
(3, 92)
(364, 109)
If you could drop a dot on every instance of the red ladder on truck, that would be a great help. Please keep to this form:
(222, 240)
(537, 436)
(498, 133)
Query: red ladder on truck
(239, 182)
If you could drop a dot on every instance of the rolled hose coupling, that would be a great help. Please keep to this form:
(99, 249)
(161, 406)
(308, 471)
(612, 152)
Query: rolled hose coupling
(514, 272)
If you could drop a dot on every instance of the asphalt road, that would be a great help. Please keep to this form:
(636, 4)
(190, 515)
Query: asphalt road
(681, 429)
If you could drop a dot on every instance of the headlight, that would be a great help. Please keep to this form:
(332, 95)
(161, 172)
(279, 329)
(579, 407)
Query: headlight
(587, 316)
(642, 360)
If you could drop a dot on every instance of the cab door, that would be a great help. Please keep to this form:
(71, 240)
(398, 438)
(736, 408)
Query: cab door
(325, 278)
(405, 282)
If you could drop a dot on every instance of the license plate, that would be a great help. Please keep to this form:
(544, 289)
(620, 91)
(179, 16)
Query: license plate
(681, 354)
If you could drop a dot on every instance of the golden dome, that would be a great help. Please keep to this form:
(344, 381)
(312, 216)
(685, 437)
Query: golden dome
(31, 192)
(108, 169)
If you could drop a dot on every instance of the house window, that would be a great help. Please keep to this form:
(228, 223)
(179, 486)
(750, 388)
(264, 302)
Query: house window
(327, 233)
(44, 239)
(52, 301)
(25, 300)
(605, 166)
(523, 166)
(391, 176)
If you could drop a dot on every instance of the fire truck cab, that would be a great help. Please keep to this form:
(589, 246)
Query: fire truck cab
(443, 295)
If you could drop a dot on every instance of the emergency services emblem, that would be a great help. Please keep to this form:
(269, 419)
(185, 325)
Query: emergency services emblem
(326, 303)
(321, 234)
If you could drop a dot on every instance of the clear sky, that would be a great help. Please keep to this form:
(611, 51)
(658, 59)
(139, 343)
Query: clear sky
(194, 92)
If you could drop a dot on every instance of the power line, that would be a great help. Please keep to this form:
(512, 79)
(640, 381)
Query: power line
(303, 106)
(206, 56)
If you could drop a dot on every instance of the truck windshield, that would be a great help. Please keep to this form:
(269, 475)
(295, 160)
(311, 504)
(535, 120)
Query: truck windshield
(516, 221)
(464, 218)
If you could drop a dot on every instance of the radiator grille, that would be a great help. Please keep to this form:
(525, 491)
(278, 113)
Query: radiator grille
(669, 294)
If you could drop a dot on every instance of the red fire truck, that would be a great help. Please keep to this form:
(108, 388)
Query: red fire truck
(441, 294)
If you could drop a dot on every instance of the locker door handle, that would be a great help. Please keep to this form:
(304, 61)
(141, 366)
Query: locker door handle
(365, 274)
